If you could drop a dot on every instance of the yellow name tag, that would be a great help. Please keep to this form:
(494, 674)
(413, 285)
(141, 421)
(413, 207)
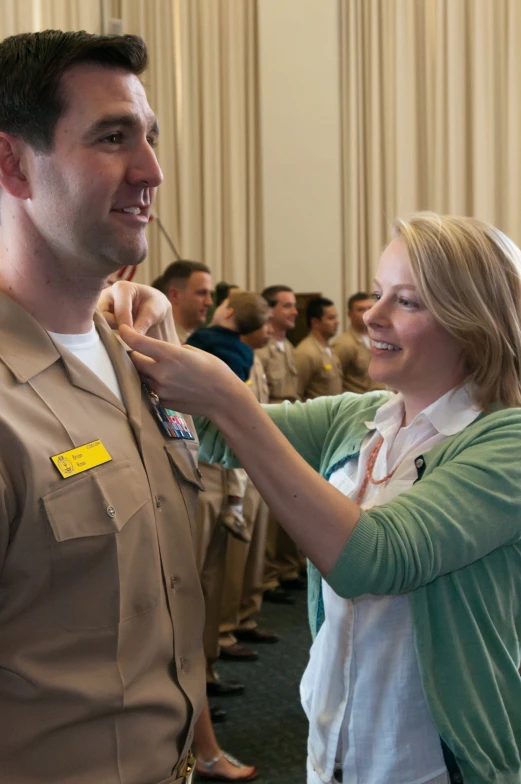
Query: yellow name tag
(327, 367)
(81, 459)
(248, 382)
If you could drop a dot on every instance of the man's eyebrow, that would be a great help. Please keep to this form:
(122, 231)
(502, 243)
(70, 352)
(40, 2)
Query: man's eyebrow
(130, 121)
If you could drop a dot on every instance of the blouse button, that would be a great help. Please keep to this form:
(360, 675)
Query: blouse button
(419, 462)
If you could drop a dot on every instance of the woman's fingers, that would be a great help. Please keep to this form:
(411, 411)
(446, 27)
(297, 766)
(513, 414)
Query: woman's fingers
(156, 349)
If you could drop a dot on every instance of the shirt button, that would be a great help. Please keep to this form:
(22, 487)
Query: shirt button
(173, 583)
(419, 462)
(199, 473)
(111, 511)
(159, 502)
(184, 663)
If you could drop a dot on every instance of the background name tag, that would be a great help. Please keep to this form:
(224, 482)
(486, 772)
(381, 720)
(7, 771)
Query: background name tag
(81, 459)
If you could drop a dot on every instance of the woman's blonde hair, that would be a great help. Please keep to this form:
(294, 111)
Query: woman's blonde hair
(468, 274)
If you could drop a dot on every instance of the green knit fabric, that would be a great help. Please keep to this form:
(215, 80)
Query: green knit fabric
(452, 543)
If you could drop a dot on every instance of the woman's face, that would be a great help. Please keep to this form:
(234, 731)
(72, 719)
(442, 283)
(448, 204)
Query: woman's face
(410, 350)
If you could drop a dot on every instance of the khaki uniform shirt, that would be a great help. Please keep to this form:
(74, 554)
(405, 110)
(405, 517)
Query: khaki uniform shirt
(281, 372)
(101, 612)
(318, 370)
(182, 333)
(354, 356)
(258, 382)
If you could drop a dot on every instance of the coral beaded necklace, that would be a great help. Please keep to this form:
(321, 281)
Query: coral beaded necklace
(369, 472)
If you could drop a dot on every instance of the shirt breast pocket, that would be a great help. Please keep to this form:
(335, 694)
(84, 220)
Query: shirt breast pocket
(183, 457)
(104, 557)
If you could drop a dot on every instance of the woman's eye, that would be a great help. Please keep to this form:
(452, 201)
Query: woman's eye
(407, 303)
(375, 296)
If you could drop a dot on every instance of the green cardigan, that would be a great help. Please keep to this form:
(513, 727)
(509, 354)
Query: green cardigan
(452, 543)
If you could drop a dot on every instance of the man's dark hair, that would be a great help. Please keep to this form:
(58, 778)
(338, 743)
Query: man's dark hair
(358, 297)
(177, 274)
(31, 67)
(271, 293)
(315, 308)
(222, 291)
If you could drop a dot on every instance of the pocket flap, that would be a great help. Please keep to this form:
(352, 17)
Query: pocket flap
(96, 503)
(183, 456)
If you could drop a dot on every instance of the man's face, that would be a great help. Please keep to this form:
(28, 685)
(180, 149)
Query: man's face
(91, 195)
(356, 314)
(284, 312)
(327, 325)
(191, 303)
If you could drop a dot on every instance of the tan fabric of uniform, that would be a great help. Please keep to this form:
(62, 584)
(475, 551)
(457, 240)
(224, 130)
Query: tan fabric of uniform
(318, 369)
(282, 558)
(101, 665)
(281, 372)
(244, 573)
(354, 356)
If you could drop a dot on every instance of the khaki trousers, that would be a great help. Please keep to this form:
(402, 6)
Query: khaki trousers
(283, 558)
(211, 545)
(243, 584)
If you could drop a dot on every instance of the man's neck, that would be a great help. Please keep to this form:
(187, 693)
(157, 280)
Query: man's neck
(60, 293)
(319, 337)
(279, 334)
(61, 305)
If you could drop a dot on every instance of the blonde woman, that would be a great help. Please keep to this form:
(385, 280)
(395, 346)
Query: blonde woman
(408, 506)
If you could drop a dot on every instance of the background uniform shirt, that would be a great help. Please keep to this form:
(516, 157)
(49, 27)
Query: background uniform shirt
(318, 369)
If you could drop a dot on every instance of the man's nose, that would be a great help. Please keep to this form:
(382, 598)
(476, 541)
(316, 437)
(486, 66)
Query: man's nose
(145, 169)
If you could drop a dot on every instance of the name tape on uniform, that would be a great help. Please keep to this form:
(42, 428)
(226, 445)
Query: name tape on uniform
(81, 458)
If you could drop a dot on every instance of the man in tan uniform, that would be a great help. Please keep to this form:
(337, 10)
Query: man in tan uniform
(244, 574)
(283, 560)
(318, 367)
(101, 665)
(352, 347)
(188, 286)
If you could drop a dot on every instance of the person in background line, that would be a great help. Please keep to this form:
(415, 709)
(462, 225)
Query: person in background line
(318, 367)
(283, 560)
(409, 507)
(188, 286)
(243, 314)
(101, 662)
(353, 347)
(244, 571)
(223, 291)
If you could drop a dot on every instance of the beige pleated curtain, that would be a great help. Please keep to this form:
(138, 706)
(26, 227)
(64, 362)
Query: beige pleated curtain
(431, 110)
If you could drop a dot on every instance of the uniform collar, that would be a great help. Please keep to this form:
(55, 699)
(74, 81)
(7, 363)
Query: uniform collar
(25, 347)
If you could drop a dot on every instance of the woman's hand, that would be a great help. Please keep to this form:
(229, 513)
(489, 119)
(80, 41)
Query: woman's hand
(134, 304)
(184, 378)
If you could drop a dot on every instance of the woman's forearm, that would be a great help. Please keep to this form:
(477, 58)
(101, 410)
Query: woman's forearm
(316, 515)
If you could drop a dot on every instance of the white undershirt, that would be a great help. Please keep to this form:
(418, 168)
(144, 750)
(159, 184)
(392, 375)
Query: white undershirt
(281, 345)
(362, 691)
(90, 350)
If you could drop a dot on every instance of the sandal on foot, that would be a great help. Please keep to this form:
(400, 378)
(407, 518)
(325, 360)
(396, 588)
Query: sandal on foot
(205, 769)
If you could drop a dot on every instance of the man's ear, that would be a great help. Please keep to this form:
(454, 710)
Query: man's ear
(13, 166)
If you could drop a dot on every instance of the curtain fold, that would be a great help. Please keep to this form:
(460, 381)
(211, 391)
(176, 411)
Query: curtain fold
(203, 85)
(431, 109)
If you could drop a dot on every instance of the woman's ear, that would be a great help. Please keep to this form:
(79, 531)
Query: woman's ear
(13, 178)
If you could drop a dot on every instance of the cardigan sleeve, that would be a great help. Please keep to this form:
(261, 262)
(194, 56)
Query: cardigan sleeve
(467, 505)
(305, 425)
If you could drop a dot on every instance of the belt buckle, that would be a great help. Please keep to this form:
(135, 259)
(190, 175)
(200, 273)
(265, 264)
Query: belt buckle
(188, 767)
